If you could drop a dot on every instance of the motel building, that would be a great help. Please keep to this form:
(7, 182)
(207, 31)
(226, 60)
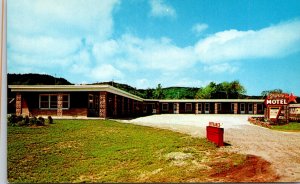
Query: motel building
(105, 101)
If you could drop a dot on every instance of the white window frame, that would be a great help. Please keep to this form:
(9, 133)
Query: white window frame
(165, 109)
(49, 101)
(199, 107)
(244, 111)
(250, 104)
(68, 101)
(190, 109)
(205, 111)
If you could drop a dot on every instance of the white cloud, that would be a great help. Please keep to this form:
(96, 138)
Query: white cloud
(271, 42)
(160, 9)
(220, 68)
(105, 72)
(104, 51)
(87, 18)
(199, 28)
(46, 46)
(157, 54)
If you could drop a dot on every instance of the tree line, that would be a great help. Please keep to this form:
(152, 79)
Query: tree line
(223, 90)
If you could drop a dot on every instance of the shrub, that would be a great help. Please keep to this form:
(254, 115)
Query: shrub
(26, 120)
(33, 121)
(50, 120)
(12, 120)
(40, 121)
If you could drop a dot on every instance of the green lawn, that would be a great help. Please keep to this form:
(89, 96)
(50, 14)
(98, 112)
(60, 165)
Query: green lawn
(108, 151)
(292, 127)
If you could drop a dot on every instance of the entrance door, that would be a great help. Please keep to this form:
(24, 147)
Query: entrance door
(250, 108)
(175, 109)
(200, 108)
(242, 108)
(93, 105)
(206, 108)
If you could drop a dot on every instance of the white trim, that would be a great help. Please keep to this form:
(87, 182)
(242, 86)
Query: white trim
(200, 107)
(72, 88)
(250, 112)
(205, 111)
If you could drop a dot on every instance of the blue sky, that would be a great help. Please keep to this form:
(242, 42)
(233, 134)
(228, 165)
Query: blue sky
(146, 42)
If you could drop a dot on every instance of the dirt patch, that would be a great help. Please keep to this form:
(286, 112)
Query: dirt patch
(254, 169)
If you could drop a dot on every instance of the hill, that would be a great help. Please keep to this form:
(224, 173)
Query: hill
(35, 79)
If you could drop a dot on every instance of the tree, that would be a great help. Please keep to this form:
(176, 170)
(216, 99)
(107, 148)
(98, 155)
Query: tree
(158, 92)
(206, 92)
(236, 89)
(267, 92)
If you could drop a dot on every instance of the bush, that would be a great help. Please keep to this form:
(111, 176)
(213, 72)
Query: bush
(40, 121)
(50, 120)
(26, 120)
(33, 121)
(12, 120)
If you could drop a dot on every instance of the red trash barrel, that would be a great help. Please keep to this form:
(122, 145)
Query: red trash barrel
(215, 135)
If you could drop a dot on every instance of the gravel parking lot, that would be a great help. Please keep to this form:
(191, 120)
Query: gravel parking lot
(281, 149)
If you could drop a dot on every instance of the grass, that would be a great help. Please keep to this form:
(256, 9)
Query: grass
(291, 127)
(108, 151)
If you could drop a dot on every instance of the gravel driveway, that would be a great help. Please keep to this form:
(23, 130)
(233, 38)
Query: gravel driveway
(281, 149)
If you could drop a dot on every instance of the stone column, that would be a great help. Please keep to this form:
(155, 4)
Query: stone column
(59, 104)
(235, 108)
(255, 108)
(103, 104)
(196, 108)
(18, 104)
(216, 108)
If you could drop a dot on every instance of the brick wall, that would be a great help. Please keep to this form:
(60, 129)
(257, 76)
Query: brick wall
(69, 112)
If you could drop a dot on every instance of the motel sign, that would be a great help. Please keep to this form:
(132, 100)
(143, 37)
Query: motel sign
(277, 106)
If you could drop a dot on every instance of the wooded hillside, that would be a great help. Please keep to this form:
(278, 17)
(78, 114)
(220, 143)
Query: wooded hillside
(224, 90)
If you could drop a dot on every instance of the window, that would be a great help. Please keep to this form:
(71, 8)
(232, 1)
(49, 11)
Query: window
(66, 101)
(199, 107)
(44, 101)
(250, 107)
(242, 107)
(53, 102)
(188, 107)
(49, 101)
(206, 107)
(165, 107)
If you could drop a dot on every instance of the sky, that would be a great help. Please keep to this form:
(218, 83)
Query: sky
(144, 43)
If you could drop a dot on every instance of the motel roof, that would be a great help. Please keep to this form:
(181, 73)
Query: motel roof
(73, 88)
(111, 89)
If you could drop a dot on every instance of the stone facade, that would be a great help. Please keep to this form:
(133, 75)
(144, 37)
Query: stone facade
(103, 104)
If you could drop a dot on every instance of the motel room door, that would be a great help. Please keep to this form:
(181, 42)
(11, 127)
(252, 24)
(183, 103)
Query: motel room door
(250, 108)
(242, 108)
(206, 108)
(93, 105)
